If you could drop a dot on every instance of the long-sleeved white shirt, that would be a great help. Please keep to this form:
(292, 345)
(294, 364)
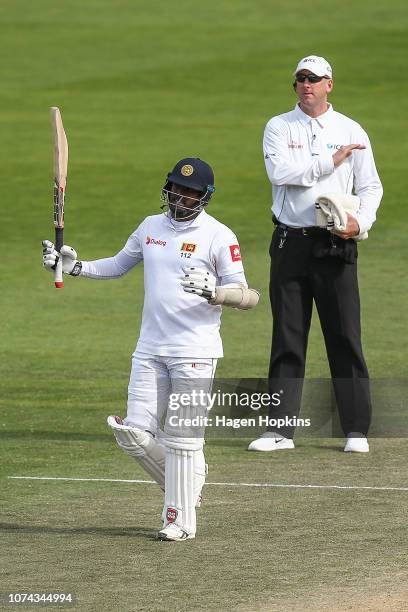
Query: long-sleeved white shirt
(298, 152)
(176, 323)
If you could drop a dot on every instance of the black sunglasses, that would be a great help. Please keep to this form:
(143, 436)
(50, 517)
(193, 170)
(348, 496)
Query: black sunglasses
(312, 78)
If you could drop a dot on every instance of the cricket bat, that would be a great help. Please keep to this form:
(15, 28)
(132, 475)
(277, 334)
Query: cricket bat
(60, 181)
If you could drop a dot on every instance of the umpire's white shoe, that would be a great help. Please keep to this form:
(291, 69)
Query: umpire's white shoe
(173, 533)
(356, 443)
(271, 441)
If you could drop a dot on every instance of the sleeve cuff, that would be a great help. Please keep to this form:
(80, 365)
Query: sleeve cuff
(362, 222)
(326, 164)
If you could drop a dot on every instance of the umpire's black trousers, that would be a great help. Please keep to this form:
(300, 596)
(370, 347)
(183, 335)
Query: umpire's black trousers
(315, 265)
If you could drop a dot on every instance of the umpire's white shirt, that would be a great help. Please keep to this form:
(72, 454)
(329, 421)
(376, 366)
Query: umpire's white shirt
(176, 323)
(298, 152)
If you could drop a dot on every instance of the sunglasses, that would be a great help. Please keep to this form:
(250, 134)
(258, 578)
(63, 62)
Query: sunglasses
(312, 78)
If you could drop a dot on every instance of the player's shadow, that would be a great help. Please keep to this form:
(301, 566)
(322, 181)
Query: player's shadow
(55, 435)
(321, 447)
(150, 534)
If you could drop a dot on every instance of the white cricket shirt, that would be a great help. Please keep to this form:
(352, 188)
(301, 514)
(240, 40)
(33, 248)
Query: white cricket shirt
(176, 323)
(298, 152)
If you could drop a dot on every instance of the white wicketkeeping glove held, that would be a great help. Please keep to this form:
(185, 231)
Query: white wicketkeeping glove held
(70, 264)
(198, 281)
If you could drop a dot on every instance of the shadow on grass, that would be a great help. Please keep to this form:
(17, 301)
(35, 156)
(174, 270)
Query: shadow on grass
(150, 534)
(322, 447)
(55, 435)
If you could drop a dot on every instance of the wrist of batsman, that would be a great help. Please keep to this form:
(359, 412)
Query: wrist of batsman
(235, 297)
(76, 270)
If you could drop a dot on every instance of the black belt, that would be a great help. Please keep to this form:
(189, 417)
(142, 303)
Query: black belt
(311, 230)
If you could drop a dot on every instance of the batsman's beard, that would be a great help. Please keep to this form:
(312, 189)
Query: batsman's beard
(183, 213)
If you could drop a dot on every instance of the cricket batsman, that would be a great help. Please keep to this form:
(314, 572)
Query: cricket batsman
(192, 267)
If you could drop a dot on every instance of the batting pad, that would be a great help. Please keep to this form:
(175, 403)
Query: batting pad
(140, 445)
(179, 498)
(200, 471)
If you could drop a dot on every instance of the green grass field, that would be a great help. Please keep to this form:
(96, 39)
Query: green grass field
(142, 84)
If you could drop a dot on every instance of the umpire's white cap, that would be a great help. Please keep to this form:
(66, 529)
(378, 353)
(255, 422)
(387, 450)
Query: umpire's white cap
(317, 65)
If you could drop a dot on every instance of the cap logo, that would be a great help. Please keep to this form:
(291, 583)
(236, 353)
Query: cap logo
(187, 170)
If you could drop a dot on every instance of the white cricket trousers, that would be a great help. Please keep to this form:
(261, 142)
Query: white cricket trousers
(153, 378)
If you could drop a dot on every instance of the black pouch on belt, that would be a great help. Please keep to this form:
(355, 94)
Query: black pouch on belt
(334, 246)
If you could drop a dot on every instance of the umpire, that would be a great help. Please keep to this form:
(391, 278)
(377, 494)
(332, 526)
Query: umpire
(310, 151)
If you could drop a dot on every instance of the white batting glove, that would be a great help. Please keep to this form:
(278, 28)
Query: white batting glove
(198, 281)
(70, 264)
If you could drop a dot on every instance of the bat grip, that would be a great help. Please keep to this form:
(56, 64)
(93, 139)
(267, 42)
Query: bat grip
(59, 241)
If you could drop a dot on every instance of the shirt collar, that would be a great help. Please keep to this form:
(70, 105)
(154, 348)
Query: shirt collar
(179, 226)
(321, 119)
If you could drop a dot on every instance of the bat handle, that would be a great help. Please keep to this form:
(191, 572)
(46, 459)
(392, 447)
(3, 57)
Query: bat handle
(59, 241)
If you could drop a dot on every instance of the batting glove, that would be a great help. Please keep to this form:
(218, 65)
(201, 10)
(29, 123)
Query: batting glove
(200, 282)
(70, 264)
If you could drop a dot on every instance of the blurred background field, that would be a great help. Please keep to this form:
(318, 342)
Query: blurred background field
(140, 85)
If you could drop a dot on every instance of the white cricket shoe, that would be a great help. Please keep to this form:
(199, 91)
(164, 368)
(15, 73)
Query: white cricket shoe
(173, 533)
(271, 441)
(356, 443)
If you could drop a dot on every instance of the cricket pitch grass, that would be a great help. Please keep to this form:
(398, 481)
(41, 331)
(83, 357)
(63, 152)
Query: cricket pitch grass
(257, 548)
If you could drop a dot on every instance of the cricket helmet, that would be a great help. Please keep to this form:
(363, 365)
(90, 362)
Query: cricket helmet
(194, 173)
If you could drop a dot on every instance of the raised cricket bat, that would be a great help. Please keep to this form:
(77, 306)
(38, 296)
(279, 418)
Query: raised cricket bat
(60, 181)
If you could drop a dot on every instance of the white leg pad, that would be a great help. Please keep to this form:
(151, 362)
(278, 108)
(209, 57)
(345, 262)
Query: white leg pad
(145, 449)
(196, 480)
(179, 498)
(200, 472)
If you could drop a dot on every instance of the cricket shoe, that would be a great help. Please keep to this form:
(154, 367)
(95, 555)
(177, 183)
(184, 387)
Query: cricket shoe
(271, 441)
(173, 533)
(356, 443)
